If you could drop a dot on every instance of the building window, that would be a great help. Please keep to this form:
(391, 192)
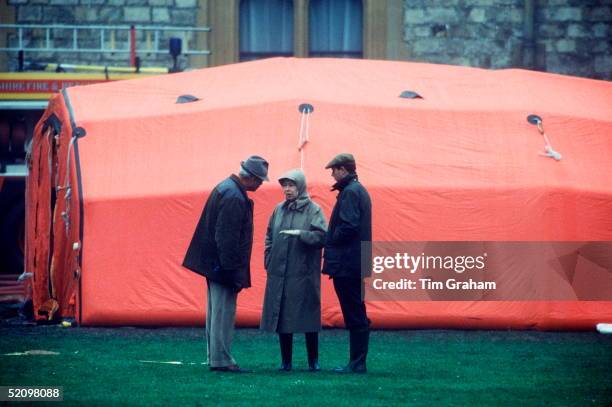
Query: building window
(266, 29)
(336, 28)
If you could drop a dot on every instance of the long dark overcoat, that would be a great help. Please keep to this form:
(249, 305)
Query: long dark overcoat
(221, 245)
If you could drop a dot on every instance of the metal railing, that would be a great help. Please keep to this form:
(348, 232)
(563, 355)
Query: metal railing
(107, 36)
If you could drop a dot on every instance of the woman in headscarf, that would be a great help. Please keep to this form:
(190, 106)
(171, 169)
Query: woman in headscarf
(292, 302)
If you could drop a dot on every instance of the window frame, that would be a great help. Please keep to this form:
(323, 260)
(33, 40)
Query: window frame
(338, 53)
(223, 18)
(244, 56)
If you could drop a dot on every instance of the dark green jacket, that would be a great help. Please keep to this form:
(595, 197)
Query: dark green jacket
(221, 245)
(350, 224)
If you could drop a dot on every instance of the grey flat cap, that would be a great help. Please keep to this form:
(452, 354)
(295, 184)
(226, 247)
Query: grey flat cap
(343, 159)
(256, 166)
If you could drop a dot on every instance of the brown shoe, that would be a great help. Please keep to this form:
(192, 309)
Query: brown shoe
(231, 369)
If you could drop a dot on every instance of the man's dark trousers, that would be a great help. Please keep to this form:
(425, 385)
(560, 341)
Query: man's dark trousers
(349, 292)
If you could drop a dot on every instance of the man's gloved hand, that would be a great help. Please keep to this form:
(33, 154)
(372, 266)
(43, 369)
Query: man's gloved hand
(290, 232)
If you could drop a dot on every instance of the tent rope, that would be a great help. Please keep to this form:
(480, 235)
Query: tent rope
(549, 151)
(303, 138)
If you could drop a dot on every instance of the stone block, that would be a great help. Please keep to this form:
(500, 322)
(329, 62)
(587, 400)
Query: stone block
(577, 30)
(186, 3)
(62, 15)
(111, 15)
(547, 45)
(512, 3)
(63, 2)
(477, 15)
(84, 14)
(427, 46)
(429, 3)
(565, 46)
(442, 15)
(603, 64)
(601, 47)
(161, 3)
(567, 14)
(414, 16)
(601, 30)
(454, 47)
(500, 61)
(472, 30)
(477, 48)
(600, 14)
(137, 14)
(509, 14)
(430, 58)
(183, 17)
(29, 14)
(161, 15)
(550, 30)
(480, 3)
(462, 61)
(414, 3)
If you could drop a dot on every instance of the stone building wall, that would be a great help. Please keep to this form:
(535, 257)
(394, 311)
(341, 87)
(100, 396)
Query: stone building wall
(181, 13)
(575, 37)
(569, 36)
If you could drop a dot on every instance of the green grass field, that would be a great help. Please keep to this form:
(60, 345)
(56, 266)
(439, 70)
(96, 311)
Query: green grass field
(102, 366)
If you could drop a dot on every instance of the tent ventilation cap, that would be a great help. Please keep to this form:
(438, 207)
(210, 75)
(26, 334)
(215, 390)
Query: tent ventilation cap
(187, 99)
(408, 94)
(306, 108)
(534, 119)
(79, 132)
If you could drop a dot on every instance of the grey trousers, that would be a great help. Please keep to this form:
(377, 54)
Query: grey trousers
(220, 318)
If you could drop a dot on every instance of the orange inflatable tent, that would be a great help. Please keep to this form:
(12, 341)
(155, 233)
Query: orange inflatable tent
(120, 173)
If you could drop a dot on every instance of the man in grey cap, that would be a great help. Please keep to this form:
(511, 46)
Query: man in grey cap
(350, 224)
(220, 250)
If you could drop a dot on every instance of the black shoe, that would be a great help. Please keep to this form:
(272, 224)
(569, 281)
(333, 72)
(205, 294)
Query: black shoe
(230, 369)
(351, 369)
(313, 366)
(359, 343)
(285, 367)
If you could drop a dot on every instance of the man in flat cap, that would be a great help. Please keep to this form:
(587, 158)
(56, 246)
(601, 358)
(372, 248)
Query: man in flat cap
(350, 224)
(220, 250)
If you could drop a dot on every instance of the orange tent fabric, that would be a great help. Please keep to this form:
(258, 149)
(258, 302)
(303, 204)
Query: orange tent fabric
(459, 164)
